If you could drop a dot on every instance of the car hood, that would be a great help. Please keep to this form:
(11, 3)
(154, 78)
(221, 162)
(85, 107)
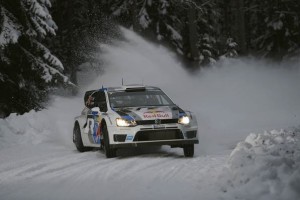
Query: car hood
(150, 113)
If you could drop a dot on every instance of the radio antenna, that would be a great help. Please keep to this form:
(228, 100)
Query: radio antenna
(122, 82)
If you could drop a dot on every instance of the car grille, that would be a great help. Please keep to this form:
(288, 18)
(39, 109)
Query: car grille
(166, 134)
(162, 121)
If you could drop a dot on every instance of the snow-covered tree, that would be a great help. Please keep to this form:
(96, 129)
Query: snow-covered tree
(185, 25)
(230, 50)
(28, 69)
(274, 27)
(152, 18)
(209, 33)
(206, 48)
(80, 30)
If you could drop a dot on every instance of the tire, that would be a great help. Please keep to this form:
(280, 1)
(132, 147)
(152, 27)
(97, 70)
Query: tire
(77, 139)
(188, 150)
(109, 152)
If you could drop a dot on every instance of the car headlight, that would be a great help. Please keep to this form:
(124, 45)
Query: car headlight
(185, 120)
(125, 123)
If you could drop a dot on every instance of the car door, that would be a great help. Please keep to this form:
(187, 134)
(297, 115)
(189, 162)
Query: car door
(97, 105)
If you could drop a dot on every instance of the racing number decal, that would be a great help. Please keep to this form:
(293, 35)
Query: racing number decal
(96, 137)
(93, 128)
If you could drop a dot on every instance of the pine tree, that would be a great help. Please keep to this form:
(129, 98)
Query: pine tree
(230, 50)
(275, 27)
(185, 25)
(28, 69)
(227, 44)
(80, 32)
(152, 18)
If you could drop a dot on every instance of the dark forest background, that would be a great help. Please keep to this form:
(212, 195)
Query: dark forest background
(43, 42)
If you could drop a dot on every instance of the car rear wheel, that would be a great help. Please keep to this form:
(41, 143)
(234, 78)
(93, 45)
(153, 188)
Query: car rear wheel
(109, 152)
(188, 150)
(77, 139)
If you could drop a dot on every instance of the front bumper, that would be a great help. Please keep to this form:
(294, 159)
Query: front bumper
(175, 135)
(172, 143)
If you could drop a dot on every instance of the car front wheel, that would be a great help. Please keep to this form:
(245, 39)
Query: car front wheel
(188, 150)
(77, 139)
(109, 152)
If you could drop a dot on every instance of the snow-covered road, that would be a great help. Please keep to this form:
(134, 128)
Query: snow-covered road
(39, 161)
(236, 97)
(43, 164)
(58, 173)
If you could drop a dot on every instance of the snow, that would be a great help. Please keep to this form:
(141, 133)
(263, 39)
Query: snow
(53, 60)
(39, 161)
(149, 2)
(40, 16)
(230, 42)
(53, 67)
(37, 127)
(46, 2)
(117, 12)
(276, 25)
(50, 71)
(164, 4)
(144, 18)
(174, 33)
(231, 100)
(11, 31)
(268, 163)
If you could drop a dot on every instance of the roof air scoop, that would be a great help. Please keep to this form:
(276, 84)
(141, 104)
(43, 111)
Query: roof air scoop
(133, 88)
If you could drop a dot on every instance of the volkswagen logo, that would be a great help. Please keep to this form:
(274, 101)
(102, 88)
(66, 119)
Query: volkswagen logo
(157, 121)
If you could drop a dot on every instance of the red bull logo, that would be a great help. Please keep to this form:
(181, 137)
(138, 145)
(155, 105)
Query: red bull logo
(156, 115)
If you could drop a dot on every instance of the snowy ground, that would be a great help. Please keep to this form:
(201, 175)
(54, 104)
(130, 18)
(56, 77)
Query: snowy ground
(38, 160)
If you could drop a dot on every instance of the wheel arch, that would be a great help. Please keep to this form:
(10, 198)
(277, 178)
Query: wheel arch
(103, 122)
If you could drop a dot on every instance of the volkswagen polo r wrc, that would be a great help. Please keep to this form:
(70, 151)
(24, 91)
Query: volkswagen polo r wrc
(133, 116)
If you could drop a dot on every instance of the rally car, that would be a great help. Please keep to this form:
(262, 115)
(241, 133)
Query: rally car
(132, 116)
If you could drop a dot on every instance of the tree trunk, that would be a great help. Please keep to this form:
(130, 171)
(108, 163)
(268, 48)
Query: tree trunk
(193, 36)
(134, 17)
(239, 26)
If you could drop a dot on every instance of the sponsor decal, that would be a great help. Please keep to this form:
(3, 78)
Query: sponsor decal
(181, 114)
(129, 137)
(96, 130)
(90, 101)
(156, 115)
(158, 126)
(93, 128)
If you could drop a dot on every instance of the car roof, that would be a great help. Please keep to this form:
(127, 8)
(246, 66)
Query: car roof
(131, 88)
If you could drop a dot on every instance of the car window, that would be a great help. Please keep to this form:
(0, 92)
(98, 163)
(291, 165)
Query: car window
(97, 99)
(139, 98)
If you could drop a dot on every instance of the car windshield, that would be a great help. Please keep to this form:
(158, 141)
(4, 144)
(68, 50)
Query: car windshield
(119, 99)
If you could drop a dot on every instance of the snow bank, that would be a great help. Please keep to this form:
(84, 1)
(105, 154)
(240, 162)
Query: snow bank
(265, 166)
(53, 125)
(31, 128)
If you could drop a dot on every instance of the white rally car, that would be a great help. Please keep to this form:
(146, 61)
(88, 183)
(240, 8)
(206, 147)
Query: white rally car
(131, 116)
